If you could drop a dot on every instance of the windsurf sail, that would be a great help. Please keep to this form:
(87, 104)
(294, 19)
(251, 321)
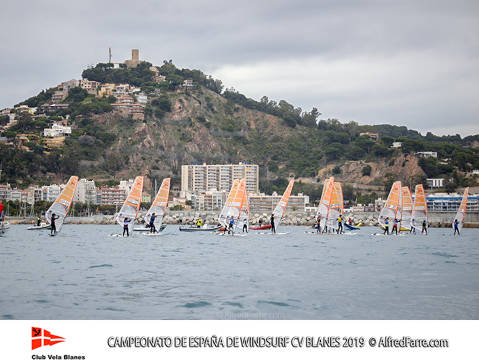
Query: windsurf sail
(391, 207)
(62, 204)
(280, 209)
(325, 202)
(159, 205)
(233, 204)
(419, 209)
(336, 206)
(244, 212)
(461, 212)
(131, 206)
(406, 208)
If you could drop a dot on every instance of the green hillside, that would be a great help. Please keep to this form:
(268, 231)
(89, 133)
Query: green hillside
(205, 123)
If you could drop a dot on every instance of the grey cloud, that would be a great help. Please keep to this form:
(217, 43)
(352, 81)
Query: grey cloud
(50, 41)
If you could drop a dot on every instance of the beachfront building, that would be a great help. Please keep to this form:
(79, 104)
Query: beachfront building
(209, 201)
(86, 192)
(450, 202)
(111, 196)
(218, 177)
(261, 203)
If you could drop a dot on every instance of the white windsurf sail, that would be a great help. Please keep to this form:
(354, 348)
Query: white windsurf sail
(336, 206)
(232, 205)
(406, 208)
(419, 209)
(131, 206)
(391, 207)
(159, 205)
(325, 202)
(461, 212)
(280, 209)
(62, 204)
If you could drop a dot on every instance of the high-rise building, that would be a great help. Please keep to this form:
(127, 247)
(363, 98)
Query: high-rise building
(262, 203)
(85, 192)
(218, 177)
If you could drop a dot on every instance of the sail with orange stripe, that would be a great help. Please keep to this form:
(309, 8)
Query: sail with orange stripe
(280, 208)
(159, 205)
(461, 212)
(392, 205)
(325, 202)
(406, 208)
(244, 213)
(419, 209)
(131, 206)
(62, 204)
(336, 206)
(233, 204)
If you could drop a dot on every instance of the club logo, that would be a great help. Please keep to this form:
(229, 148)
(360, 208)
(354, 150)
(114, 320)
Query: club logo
(42, 337)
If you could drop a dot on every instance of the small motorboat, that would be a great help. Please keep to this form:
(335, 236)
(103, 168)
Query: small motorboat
(42, 225)
(204, 228)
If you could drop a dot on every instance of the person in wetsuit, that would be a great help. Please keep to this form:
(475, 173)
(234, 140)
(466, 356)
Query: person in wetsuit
(318, 224)
(424, 227)
(340, 224)
(152, 223)
(386, 226)
(456, 227)
(273, 229)
(126, 223)
(39, 221)
(395, 226)
(53, 229)
(231, 225)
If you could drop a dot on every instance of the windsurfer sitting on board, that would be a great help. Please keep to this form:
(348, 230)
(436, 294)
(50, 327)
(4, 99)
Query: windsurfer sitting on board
(350, 221)
(386, 226)
(260, 222)
(230, 225)
(39, 221)
(456, 227)
(152, 223)
(318, 224)
(340, 224)
(424, 227)
(199, 223)
(126, 223)
(273, 229)
(395, 226)
(53, 230)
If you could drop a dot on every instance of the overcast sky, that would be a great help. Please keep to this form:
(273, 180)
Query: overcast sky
(412, 63)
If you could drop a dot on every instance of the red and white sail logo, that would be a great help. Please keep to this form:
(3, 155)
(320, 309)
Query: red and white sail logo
(42, 337)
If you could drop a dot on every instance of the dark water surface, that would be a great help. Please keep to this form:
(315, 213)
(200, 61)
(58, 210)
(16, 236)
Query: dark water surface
(85, 273)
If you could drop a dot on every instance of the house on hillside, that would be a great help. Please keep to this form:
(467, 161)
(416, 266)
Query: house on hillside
(426, 154)
(373, 136)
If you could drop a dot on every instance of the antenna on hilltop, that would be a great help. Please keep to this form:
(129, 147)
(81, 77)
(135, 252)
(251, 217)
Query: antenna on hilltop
(109, 55)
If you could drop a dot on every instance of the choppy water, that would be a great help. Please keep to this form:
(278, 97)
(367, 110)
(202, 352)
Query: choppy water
(84, 273)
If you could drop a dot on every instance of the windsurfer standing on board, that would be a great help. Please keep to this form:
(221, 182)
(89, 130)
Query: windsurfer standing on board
(340, 224)
(318, 224)
(424, 227)
(152, 223)
(53, 230)
(126, 223)
(386, 226)
(456, 227)
(273, 229)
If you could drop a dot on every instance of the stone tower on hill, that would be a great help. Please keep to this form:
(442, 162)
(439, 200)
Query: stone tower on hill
(135, 59)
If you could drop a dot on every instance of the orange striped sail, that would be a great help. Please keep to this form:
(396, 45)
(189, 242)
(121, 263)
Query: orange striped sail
(406, 208)
(233, 203)
(159, 205)
(419, 208)
(244, 212)
(391, 208)
(461, 212)
(325, 202)
(336, 206)
(280, 208)
(62, 204)
(131, 206)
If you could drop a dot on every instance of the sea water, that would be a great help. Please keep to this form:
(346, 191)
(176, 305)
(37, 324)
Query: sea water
(87, 272)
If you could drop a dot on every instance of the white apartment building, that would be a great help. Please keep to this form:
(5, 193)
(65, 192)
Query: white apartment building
(261, 203)
(57, 130)
(50, 193)
(427, 154)
(85, 192)
(218, 177)
(435, 182)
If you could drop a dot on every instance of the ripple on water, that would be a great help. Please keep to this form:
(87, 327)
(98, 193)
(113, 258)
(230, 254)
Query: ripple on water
(101, 265)
(8, 317)
(274, 303)
(443, 254)
(196, 304)
(234, 304)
